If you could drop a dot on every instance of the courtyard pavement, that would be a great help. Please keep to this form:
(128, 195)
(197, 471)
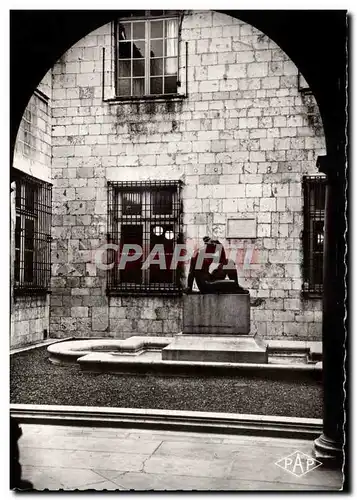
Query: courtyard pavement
(69, 458)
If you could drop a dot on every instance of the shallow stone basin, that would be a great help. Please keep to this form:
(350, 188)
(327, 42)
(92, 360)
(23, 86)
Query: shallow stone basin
(69, 351)
(143, 355)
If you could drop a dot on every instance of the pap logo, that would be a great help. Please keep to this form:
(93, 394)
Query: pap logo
(298, 463)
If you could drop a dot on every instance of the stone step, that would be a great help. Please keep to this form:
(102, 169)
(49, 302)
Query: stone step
(233, 349)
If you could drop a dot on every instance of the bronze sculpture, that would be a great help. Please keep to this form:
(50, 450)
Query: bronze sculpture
(215, 281)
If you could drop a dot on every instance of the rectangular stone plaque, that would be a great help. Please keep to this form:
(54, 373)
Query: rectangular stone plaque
(214, 314)
(241, 228)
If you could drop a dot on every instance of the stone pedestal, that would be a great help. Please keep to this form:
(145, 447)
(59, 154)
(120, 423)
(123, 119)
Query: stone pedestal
(216, 329)
(212, 349)
(216, 314)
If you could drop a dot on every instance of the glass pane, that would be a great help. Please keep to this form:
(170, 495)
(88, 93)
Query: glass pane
(138, 86)
(125, 68)
(157, 29)
(124, 86)
(138, 31)
(317, 269)
(17, 265)
(28, 266)
(139, 67)
(125, 50)
(171, 28)
(156, 67)
(170, 85)
(156, 85)
(318, 243)
(18, 194)
(29, 234)
(171, 47)
(30, 197)
(131, 203)
(156, 48)
(17, 232)
(131, 272)
(317, 196)
(139, 50)
(162, 202)
(171, 66)
(124, 31)
(158, 273)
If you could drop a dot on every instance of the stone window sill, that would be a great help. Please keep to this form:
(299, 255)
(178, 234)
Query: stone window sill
(144, 293)
(32, 292)
(156, 98)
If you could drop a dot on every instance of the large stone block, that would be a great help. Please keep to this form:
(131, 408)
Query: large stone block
(214, 314)
(240, 349)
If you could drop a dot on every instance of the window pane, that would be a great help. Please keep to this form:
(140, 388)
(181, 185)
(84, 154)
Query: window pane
(155, 86)
(171, 28)
(29, 234)
(138, 86)
(156, 48)
(156, 67)
(124, 31)
(28, 266)
(171, 66)
(30, 197)
(125, 50)
(157, 29)
(139, 67)
(139, 50)
(166, 245)
(170, 85)
(138, 31)
(171, 47)
(17, 265)
(132, 202)
(125, 68)
(18, 195)
(124, 87)
(131, 234)
(317, 196)
(318, 232)
(18, 232)
(162, 202)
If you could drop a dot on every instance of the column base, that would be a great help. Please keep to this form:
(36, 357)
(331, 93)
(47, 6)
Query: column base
(328, 451)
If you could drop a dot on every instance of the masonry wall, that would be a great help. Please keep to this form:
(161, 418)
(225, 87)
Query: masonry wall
(32, 155)
(240, 142)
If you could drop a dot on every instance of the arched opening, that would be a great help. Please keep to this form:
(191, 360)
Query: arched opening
(80, 158)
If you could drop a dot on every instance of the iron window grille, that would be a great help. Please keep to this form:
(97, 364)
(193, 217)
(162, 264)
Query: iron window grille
(314, 189)
(147, 55)
(32, 259)
(145, 214)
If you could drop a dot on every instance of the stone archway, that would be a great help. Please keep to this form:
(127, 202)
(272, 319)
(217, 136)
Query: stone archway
(331, 74)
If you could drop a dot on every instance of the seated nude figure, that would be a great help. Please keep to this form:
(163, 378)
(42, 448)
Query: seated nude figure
(215, 281)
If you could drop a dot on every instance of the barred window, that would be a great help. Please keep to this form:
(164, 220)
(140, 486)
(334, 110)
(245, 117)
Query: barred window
(144, 224)
(147, 55)
(314, 188)
(32, 263)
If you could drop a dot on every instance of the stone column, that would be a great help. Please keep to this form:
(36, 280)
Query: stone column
(328, 447)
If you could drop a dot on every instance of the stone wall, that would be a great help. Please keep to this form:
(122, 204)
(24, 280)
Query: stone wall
(240, 141)
(32, 155)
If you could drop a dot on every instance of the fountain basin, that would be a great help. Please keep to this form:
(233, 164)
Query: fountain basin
(145, 355)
